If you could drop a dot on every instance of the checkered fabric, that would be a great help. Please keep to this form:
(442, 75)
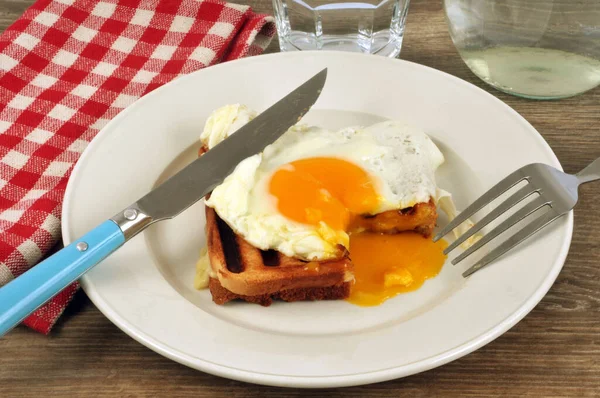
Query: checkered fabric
(69, 66)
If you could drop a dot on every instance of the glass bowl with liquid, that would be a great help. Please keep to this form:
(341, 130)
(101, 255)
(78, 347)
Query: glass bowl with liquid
(540, 49)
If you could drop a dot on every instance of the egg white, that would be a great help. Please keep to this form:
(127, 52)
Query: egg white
(225, 121)
(401, 159)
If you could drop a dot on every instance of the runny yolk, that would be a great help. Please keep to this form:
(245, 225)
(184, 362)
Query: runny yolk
(321, 189)
(386, 265)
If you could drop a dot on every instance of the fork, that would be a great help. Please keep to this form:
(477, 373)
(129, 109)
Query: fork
(555, 190)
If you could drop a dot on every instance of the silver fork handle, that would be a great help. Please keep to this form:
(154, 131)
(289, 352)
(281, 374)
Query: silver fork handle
(590, 173)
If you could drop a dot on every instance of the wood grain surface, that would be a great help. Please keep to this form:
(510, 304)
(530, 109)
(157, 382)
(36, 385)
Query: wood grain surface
(554, 351)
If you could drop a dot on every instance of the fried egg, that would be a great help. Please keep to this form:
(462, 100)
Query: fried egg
(300, 194)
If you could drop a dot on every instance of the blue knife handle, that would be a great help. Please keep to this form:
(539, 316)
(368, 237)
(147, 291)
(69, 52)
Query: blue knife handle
(23, 295)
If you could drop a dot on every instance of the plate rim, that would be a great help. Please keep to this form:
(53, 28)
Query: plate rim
(315, 381)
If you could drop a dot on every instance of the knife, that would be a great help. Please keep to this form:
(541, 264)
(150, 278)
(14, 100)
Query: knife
(33, 288)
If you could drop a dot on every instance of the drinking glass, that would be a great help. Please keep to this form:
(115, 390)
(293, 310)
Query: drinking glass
(542, 49)
(365, 26)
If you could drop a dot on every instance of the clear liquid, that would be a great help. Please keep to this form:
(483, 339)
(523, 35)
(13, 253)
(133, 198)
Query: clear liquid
(368, 26)
(534, 72)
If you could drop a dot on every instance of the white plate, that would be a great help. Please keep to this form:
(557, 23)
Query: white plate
(145, 288)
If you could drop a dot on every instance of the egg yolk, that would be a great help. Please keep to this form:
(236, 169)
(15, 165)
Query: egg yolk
(386, 265)
(335, 192)
(320, 189)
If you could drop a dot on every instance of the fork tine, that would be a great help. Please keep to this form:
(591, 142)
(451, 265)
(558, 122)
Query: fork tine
(514, 199)
(510, 181)
(513, 241)
(509, 222)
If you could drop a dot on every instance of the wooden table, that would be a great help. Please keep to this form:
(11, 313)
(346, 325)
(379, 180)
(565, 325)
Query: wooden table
(554, 351)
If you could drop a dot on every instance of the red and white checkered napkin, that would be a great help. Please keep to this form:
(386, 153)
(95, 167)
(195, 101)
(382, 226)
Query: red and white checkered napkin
(69, 66)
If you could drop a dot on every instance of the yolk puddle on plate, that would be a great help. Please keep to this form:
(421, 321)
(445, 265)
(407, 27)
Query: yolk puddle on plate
(386, 265)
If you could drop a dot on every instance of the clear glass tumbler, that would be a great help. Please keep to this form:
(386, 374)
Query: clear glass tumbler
(365, 26)
(542, 49)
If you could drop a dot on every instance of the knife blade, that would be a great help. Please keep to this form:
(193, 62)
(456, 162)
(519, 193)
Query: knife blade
(205, 173)
(26, 293)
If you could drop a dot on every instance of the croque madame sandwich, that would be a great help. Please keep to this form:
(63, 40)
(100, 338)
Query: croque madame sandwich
(278, 227)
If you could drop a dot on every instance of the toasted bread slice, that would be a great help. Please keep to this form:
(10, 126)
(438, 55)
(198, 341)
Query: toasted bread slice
(240, 270)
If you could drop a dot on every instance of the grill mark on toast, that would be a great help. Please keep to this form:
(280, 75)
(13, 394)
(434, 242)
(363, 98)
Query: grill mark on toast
(231, 249)
(407, 210)
(270, 258)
